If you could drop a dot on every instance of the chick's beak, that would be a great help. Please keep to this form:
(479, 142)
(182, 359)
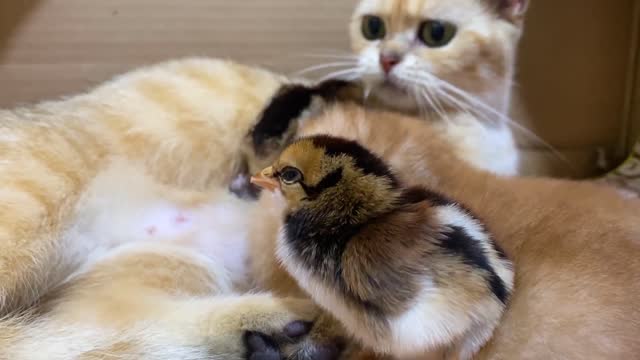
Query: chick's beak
(266, 180)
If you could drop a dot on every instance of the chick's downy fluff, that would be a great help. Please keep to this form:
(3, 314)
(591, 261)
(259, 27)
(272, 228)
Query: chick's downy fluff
(406, 270)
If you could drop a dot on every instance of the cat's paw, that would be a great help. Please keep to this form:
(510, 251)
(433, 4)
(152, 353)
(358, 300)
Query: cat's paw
(261, 346)
(242, 187)
(327, 340)
(292, 343)
(308, 349)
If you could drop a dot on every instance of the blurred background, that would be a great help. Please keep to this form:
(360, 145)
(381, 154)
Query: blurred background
(577, 77)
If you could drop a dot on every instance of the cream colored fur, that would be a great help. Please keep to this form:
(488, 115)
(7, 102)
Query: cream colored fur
(112, 217)
(116, 219)
(464, 88)
(144, 161)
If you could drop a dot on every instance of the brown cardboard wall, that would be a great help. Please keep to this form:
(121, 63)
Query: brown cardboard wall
(573, 72)
(62, 46)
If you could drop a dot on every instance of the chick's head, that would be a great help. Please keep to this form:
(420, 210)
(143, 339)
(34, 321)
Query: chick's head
(331, 175)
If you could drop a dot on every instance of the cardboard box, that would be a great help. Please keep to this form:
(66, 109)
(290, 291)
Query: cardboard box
(577, 75)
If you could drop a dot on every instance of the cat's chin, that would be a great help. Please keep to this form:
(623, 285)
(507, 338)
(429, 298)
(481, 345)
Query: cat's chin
(394, 96)
(394, 86)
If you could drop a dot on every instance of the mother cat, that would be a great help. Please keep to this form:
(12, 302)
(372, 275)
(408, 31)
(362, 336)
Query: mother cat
(112, 194)
(453, 61)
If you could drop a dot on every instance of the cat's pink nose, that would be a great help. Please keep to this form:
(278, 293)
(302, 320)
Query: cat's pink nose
(388, 62)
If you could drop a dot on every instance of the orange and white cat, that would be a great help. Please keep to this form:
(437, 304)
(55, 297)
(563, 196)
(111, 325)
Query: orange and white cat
(452, 62)
(119, 238)
(117, 230)
(117, 217)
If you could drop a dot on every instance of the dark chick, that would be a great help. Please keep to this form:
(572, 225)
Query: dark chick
(407, 271)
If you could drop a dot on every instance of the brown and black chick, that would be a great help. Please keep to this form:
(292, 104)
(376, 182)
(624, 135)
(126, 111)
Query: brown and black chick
(407, 271)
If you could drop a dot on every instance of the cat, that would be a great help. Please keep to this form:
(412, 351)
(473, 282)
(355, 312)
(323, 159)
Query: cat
(452, 62)
(159, 145)
(149, 138)
(575, 245)
(119, 238)
(144, 158)
(118, 223)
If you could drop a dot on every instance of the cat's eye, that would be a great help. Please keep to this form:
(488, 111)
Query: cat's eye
(290, 175)
(435, 33)
(373, 28)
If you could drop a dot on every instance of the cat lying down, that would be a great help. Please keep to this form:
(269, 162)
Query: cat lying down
(119, 234)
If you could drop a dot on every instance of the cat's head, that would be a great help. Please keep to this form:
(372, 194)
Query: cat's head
(431, 50)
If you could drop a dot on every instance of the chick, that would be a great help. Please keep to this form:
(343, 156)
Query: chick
(407, 271)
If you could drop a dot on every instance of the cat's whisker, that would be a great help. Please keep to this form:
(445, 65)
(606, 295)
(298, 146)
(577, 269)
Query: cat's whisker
(470, 100)
(473, 101)
(366, 92)
(459, 105)
(348, 74)
(482, 105)
(476, 106)
(342, 56)
(425, 109)
(437, 104)
(321, 50)
(325, 66)
(421, 96)
(443, 96)
(337, 57)
(425, 93)
(420, 100)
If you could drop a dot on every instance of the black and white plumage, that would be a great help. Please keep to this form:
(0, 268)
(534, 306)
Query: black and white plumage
(406, 270)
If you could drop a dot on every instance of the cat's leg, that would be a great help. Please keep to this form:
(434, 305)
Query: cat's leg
(43, 171)
(328, 336)
(213, 328)
(278, 123)
(280, 119)
(154, 301)
(327, 340)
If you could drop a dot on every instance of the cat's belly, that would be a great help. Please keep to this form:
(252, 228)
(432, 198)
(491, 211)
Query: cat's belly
(123, 206)
(217, 230)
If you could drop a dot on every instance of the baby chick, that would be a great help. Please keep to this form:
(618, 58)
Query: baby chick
(407, 271)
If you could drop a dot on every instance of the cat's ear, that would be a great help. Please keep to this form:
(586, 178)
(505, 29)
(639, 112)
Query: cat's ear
(512, 10)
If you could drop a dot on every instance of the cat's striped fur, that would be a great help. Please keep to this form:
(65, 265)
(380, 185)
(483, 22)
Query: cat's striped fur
(134, 171)
(114, 194)
(184, 123)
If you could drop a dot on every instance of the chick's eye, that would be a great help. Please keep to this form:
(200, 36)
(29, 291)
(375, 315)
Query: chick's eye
(373, 27)
(435, 33)
(290, 175)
